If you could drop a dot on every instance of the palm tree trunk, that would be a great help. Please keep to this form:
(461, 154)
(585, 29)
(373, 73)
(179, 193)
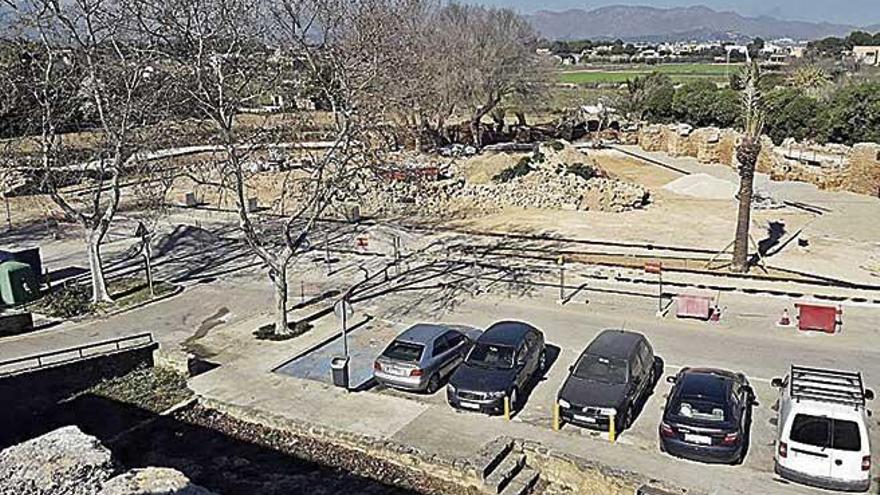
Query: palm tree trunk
(743, 221)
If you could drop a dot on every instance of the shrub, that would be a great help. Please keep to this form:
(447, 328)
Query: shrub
(557, 145)
(584, 171)
(69, 301)
(519, 169)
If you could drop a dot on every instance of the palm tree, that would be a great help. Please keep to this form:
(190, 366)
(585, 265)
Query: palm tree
(747, 152)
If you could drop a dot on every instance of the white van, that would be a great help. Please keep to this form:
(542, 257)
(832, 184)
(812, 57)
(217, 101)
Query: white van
(822, 429)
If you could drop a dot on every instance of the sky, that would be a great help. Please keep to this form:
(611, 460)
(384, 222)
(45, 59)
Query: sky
(856, 12)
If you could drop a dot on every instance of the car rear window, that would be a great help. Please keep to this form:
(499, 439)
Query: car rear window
(404, 351)
(600, 369)
(701, 410)
(823, 432)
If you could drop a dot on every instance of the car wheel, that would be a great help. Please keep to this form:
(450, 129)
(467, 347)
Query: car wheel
(433, 384)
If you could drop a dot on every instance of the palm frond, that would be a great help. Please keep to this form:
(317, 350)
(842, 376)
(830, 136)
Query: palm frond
(753, 114)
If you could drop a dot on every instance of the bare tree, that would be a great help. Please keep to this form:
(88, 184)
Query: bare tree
(747, 152)
(231, 54)
(87, 70)
(493, 52)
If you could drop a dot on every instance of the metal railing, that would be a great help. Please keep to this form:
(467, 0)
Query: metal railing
(104, 347)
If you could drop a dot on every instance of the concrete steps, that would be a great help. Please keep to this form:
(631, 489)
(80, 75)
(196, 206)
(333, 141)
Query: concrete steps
(504, 473)
(504, 469)
(523, 483)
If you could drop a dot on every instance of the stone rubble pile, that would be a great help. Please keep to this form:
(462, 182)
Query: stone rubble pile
(551, 182)
(66, 461)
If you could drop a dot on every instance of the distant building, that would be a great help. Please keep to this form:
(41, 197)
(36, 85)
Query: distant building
(867, 55)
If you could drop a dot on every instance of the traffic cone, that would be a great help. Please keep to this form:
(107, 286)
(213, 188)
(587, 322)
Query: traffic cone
(785, 321)
(715, 315)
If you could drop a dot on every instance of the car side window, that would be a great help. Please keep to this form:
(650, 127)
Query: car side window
(522, 353)
(532, 343)
(441, 345)
(647, 355)
(637, 368)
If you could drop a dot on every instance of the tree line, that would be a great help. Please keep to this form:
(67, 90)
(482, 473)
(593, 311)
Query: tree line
(807, 105)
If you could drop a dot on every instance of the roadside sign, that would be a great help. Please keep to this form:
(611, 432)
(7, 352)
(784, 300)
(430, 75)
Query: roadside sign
(654, 267)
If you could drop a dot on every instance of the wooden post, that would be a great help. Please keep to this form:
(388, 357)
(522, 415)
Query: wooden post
(556, 425)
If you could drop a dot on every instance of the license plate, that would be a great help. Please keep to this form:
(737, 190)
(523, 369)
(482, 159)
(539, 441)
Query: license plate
(698, 439)
(469, 405)
(585, 419)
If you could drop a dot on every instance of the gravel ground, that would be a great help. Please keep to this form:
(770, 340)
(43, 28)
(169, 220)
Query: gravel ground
(236, 457)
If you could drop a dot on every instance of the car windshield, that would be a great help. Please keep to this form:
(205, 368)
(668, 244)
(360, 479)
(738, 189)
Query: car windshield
(491, 356)
(600, 369)
(823, 432)
(404, 351)
(701, 410)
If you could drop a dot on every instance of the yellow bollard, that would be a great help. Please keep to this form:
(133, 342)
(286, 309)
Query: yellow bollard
(507, 408)
(612, 433)
(555, 416)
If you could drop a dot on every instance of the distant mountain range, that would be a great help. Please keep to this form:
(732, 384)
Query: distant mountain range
(685, 23)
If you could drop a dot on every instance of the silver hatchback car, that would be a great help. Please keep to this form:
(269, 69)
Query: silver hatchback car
(421, 357)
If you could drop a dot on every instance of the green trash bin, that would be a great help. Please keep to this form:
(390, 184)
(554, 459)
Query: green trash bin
(18, 284)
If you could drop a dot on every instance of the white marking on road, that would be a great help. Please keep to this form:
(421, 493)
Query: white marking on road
(751, 378)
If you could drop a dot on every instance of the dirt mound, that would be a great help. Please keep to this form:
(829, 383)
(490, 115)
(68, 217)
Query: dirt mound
(703, 186)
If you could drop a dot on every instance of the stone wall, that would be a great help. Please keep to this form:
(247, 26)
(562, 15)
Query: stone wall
(829, 167)
(460, 471)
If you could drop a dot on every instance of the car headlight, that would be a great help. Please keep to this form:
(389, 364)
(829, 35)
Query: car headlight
(496, 395)
(564, 404)
(608, 411)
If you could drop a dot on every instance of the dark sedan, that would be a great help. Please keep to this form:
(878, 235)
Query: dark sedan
(707, 416)
(502, 363)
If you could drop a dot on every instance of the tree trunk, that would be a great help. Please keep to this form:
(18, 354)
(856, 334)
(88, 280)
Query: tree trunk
(96, 268)
(747, 154)
(279, 281)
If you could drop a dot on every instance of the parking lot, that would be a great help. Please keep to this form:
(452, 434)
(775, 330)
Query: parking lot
(747, 340)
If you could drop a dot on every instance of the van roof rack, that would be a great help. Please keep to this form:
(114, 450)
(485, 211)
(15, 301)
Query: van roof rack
(837, 387)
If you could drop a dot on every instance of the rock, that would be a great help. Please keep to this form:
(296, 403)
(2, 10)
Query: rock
(63, 462)
(152, 481)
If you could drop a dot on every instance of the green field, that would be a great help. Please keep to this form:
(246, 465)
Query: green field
(678, 72)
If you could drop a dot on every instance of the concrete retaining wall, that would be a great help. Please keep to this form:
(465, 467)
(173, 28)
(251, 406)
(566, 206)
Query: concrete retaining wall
(28, 393)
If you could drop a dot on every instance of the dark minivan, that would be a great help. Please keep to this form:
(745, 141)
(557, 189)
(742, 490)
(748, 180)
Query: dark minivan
(502, 363)
(612, 377)
(707, 416)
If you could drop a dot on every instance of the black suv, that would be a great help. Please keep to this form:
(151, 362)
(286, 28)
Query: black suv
(502, 363)
(613, 377)
(707, 416)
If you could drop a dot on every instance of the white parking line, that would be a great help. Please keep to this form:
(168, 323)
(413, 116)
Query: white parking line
(751, 378)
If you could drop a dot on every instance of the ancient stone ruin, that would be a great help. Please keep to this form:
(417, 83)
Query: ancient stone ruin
(830, 167)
